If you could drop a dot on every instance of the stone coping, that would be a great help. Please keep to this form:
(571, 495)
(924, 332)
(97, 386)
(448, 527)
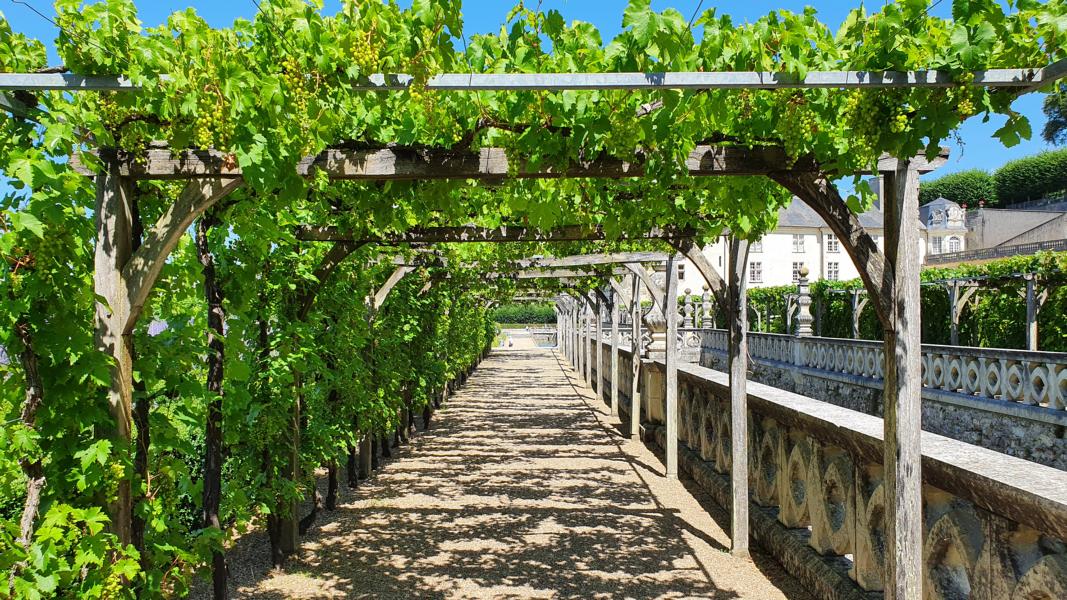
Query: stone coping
(1011, 408)
(1020, 490)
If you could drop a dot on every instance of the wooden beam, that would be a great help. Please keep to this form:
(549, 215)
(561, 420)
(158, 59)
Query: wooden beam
(144, 266)
(689, 248)
(1026, 78)
(823, 197)
(557, 274)
(473, 233)
(654, 290)
(328, 264)
(578, 260)
(402, 163)
(737, 324)
(383, 292)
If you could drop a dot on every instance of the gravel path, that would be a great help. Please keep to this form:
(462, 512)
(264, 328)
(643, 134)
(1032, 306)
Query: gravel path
(523, 488)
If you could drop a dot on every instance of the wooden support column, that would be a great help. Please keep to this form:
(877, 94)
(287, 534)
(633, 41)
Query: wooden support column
(670, 309)
(635, 354)
(572, 335)
(614, 308)
(1034, 302)
(903, 390)
(586, 344)
(114, 196)
(561, 330)
(737, 324)
(953, 311)
(598, 314)
(579, 326)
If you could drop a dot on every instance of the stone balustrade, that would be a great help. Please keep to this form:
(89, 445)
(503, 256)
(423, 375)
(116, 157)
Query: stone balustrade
(1026, 377)
(994, 525)
(1011, 401)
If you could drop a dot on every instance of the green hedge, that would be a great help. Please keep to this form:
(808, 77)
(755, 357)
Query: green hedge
(539, 314)
(996, 319)
(1032, 178)
(965, 187)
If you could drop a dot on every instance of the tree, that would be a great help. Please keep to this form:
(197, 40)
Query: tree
(1055, 131)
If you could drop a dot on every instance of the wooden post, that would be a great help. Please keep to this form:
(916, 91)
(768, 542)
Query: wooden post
(113, 249)
(586, 344)
(575, 345)
(670, 308)
(954, 315)
(903, 389)
(579, 335)
(1033, 305)
(366, 450)
(614, 308)
(737, 320)
(598, 347)
(635, 352)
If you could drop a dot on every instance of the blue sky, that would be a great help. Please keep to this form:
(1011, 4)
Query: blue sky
(979, 149)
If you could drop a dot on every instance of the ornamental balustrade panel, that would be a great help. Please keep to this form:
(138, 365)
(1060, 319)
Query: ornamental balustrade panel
(836, 492)
(854, 357)
(771, 346)
(1021, 376)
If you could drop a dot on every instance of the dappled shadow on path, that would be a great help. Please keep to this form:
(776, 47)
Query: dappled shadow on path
(518, 491)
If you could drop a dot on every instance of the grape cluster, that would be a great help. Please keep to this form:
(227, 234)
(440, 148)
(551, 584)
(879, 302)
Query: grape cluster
(873, 114)
(965, 96)
(212, 127)
(301, 88)
(365, 52)
(798, 125)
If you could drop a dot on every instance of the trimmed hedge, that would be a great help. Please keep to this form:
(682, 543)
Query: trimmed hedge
(965, 187)
(1032, 178)
(537, 314)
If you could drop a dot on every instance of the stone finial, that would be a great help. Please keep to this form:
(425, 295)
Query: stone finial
(707, 320)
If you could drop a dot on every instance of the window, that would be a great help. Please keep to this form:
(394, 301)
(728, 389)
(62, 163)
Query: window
(756, 247)
(796, 271)
(833, 271)
(832, 245)
(798, 243)
(936, 245)
(755, 272)
(953, 244)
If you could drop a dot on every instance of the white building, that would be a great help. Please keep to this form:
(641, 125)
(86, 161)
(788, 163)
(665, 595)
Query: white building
(946, 229)
(802, 238)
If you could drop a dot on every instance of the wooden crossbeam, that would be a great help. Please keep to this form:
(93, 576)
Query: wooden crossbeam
(390, 164)
(560, 274)
(474, 233)
(1027, 78)
(611, 258)
(486, 164)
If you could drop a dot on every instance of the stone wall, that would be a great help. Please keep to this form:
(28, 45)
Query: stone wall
(994, 526)
(1028, 431)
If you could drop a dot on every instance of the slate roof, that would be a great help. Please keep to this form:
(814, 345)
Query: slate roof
(799, 214)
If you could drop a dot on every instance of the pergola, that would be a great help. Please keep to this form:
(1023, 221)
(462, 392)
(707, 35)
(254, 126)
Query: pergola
(124, 275)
